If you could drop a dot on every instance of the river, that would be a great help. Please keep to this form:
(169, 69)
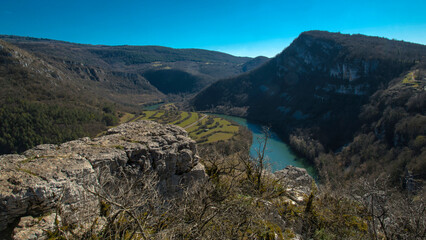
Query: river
(278, 153)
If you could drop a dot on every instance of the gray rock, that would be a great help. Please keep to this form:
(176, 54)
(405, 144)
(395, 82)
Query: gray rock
(50, 177)
(30, 228)
(297, 181)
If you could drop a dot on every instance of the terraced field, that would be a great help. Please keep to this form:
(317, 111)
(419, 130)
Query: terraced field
(201, 127)
(411, 79)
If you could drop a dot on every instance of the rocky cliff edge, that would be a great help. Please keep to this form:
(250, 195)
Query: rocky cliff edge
(36, 182)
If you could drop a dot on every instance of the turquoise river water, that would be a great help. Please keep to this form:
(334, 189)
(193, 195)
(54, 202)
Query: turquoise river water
(278, 152)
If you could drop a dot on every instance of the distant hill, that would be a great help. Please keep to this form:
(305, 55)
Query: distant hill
(116, 72)
(314, 91)
(254, 63)
(55, 91)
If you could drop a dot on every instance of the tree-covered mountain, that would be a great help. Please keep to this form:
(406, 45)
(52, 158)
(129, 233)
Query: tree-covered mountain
(326, 87)
(55, 91)
(40, 104)
(116, 72)
(392, 137)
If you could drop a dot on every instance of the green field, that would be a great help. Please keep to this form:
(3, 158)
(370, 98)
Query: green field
(410, 80)
(200, 127)
(126, 117)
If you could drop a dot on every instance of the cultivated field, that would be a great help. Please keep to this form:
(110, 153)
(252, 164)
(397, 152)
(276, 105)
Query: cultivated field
(201, 127)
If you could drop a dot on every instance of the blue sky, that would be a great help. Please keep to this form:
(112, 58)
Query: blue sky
(243, 28)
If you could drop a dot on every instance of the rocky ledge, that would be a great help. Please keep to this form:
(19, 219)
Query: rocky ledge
(299, 184)
(37, 182)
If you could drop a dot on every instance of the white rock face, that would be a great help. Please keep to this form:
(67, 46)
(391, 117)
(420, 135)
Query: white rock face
(49, 177)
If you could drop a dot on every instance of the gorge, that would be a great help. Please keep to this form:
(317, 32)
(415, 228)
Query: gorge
(84, 159)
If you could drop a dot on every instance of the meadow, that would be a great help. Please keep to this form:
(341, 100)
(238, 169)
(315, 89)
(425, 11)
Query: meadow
(200, 127)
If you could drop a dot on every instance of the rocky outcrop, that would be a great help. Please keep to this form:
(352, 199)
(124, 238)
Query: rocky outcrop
(297, 182)
(52, 178)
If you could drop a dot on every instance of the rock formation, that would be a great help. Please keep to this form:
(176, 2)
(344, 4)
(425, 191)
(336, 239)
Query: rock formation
(297, 181)
(56, 178)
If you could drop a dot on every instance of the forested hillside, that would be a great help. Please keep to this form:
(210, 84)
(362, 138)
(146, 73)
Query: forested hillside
(392, 139)
(116, 72)
(329, 91)
(39, 104)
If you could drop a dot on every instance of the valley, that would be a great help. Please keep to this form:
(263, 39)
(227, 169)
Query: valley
(167, 142)
(212, 128)
(278, 152)
(315, 94)
(326, 92)
(318, 95)
(95, 82)
(200, 127)
(133, 75)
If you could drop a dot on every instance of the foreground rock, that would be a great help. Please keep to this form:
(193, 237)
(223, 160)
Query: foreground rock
(297, 181)
(56, 178)
(35, 228)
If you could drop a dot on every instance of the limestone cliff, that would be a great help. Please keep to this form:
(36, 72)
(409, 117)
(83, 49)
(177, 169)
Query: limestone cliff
(318, 83)
(47, 177)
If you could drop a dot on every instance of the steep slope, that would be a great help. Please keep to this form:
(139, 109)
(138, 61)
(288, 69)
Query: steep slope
(392, 139)
(41, 104)
(317, 85)
(116, 72)
(172, 81)
(23, 74)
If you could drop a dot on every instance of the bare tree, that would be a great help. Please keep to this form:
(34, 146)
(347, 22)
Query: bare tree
(392, 214)
(130, 203)
(255, 166)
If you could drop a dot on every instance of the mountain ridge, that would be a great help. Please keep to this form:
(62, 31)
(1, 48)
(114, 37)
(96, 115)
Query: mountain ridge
(316, 86)
(118, 69)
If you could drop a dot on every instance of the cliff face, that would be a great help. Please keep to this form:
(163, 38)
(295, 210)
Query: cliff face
(52, 178)
(320, 81)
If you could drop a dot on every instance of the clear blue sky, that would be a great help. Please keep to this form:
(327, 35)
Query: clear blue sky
(244, 28)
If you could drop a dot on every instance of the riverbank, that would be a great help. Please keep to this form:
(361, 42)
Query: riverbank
(278, 152)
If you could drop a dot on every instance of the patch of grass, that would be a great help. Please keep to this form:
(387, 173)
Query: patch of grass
(126, 117)
(410, 80)
(230, 128)
(198, 125)
(193, 118)
(157, 114)
(219, 137)
(148, 114)
(183, 116)
(208, 130)
(29, 159)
